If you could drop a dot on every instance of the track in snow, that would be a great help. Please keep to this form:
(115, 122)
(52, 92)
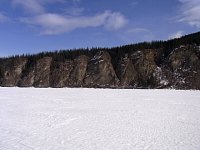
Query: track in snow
(99, 119)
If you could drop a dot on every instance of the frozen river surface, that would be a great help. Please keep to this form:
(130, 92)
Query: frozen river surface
(99, 119)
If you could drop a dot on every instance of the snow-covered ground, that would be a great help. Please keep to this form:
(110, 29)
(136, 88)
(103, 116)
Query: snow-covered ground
(99, 119)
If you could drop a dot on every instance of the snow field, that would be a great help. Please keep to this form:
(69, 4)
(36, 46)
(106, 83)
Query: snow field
(99, 119)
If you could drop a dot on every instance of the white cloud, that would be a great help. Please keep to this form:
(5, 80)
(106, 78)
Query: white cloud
(75, 11)
(115, 21)
(178, 34)
(52, 24)
(142, 34)
(190, 12)
(71, 18)
(3, 17)
(137, 34)
(39, 6)
(137, 30)
(34, 6)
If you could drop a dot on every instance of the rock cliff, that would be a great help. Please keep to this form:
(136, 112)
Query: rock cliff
(100, 72)
(12, 71)
(138, 68)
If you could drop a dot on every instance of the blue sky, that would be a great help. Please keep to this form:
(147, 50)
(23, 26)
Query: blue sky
(31, 26)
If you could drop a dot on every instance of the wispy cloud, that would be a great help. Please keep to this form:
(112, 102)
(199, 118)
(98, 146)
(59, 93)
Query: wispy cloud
(71, 18)
(137, 34)
(53, 24)
(114, 21)
(178, 34)
(137, 30)
(3, 17)
(34, 6)
(74, 11)
(190, 12)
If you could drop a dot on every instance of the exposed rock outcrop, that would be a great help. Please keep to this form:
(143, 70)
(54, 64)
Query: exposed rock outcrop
(27, 79)
(127, 73)
(184, 57)
(185, 65)
(144, 62)
(145, 68)
(60, 74)
(69, 73)
(42, 72)
(79, 71)
(100, 72)
(12, 71)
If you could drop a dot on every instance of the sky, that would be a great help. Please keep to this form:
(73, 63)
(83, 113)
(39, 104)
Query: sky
(32, 26)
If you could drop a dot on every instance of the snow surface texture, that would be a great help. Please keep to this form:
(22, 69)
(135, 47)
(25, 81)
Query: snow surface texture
(99, 119)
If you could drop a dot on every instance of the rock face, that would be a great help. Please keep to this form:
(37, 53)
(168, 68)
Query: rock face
(79, 71)
(68, 73)
(27, 80)
(42, 72)
(60, 74)
(185, 65)
(100, 72)
(184, 57)
(12, 72)
(145, 68)
(144, 62)
(127, 73)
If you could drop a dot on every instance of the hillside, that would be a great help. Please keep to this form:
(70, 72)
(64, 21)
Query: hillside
(159, 64)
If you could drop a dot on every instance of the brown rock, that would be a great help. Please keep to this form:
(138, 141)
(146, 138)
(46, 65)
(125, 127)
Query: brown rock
(185, 66)
(42, 72)
(13, 71)
(27, 80)
(127, 72)
(60, 74)
(100, 72)
(183, 58)
(79, 71)
(144, 63)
